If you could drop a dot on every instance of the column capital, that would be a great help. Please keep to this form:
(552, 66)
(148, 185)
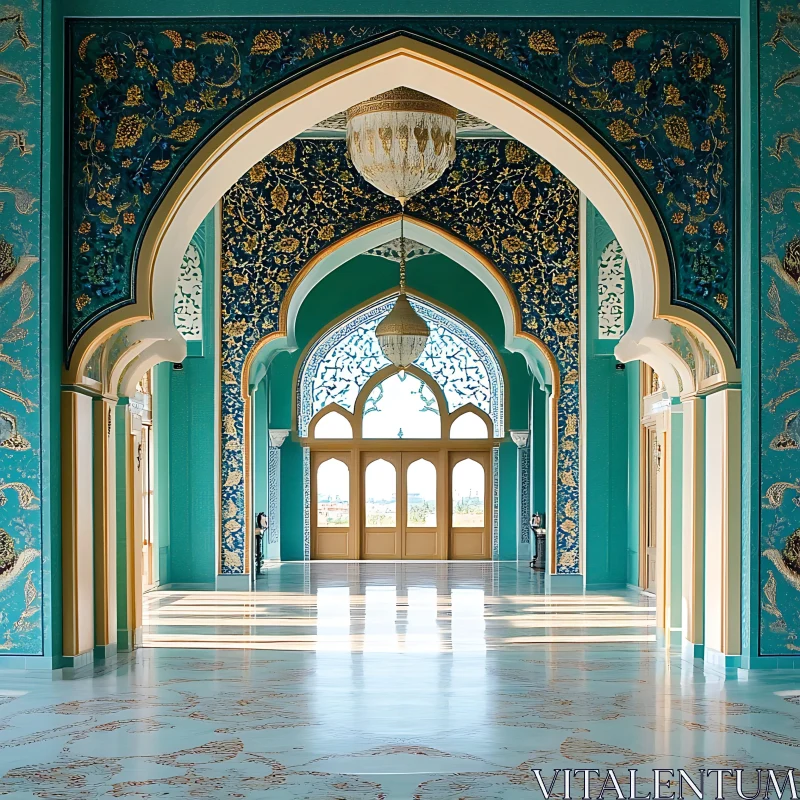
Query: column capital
(520, 438)
(277, 436)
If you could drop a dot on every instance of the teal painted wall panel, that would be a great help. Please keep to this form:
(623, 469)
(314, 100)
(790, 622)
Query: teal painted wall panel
(23, 574)
(606, 412)
(120, 430)
(538, 451)
(508, 501)
(779, 569)
(291, 501)
(416, 8)
(161, 473)
(632, 372)
(260, 445)
(675, 452)
(193, 441)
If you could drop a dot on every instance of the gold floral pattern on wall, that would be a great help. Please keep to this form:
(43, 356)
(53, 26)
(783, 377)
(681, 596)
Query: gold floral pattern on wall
(499, 197)
(144, 95)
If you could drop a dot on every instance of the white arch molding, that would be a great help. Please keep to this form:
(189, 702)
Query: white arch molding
(286, 112)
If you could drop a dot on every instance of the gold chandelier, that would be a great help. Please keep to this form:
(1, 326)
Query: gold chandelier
(402, 334)
(401, 142)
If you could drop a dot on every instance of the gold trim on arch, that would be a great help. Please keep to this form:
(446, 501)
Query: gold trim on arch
(303, 87)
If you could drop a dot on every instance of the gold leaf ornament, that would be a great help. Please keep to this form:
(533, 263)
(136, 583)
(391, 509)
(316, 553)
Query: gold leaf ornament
(85, 44)
(677, 130)
(174, 37)
(279, 197)
(521, 197)
(543, 42)
(265, 43)
(621, 131)
(129, 131)
(185, 131)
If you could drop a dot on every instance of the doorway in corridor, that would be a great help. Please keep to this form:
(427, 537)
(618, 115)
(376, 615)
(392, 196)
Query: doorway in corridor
(400, 477)
(402, 464)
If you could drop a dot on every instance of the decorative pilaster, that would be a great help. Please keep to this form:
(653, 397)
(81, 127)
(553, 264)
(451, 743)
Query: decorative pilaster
(723, 533)
(693, 544)
(520, 439)
(77, 535)
(105, 527)
(277, 437)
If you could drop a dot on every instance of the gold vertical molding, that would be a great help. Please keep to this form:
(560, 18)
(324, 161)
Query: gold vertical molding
(76, 531)
(105, 529)
(693, 513)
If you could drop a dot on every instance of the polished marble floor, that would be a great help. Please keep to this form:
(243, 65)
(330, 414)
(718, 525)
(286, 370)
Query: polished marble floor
(384, 681)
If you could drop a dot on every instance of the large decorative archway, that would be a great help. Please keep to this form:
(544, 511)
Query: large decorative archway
(675, 277)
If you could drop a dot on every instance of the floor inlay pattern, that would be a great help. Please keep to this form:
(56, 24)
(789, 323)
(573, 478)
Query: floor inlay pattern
(408, 691)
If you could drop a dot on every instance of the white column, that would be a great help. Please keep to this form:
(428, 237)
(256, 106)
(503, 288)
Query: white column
(723, 535)
(693, 513)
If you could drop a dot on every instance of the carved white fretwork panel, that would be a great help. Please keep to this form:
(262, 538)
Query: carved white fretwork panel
(611, 292)
(188, 308)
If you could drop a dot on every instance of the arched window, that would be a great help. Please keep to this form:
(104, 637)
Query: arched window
(401, 407)
(421, 494)
(333, 425)
(469, 426)
(380, 493)
(333, 494)
(458, 359)
(468, 494)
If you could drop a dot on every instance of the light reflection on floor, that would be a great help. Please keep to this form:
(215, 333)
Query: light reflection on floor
(384, 682)
(394, 607)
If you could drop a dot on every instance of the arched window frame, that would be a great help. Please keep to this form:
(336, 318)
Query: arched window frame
(356, 417)
(367, 318)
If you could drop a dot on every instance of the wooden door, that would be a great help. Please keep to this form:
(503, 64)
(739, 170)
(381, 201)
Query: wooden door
(332, 523)
(470, 505)
(423, 506)
(380, 510)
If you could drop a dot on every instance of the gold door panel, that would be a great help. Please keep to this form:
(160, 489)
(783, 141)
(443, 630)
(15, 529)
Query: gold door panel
(380, 490)
(470, 505)
(422, 492)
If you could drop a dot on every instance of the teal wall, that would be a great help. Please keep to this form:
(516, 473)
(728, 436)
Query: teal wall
(24, 317)
(350, 286)
(191, 442)
(162, 494)
(675, 451)
(606, 428)
(634, 425)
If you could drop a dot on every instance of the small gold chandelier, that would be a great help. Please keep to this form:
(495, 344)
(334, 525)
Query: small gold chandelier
(401, 141)
(402, 334)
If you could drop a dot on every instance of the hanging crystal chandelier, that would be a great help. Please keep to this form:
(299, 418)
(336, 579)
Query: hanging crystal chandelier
(402, 333)
(401, 141)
